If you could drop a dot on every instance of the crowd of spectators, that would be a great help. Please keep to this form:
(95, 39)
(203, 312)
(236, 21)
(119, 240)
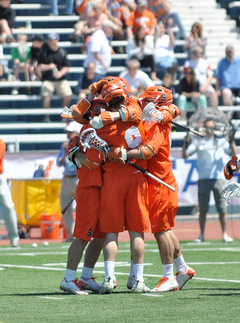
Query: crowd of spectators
(146, 25)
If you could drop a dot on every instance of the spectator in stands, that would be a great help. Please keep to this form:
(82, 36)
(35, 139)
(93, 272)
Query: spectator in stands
(189, 93)
(228, 77)
(7, 209)
(195, 39)
(162, 11)
(137, 79)
(203, 74)
(36, 48)
(167, 82)
(140, 47)
(69, 5)
(122, 8)
(164, 49)
(21, 56)
(7, 16)
(141, 16)
(99, 49)
(90, 76)
(210, 151)
(69, 180)
(1, 67)
(54, 66)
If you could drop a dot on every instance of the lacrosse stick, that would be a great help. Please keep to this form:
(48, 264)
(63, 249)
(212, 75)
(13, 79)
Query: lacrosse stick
(90, 139)
(150, 113)
(233, 189)
(67, 206)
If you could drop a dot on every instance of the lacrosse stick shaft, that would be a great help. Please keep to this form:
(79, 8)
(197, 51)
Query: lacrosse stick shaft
(67, 206)
(200, 134)
(150, 175)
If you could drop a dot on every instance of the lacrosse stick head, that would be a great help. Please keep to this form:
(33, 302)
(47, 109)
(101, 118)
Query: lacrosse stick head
(233, 189)
(159, 95)
(90, 139)
(150, 113)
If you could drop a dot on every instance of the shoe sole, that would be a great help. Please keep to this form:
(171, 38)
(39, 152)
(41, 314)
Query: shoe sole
(190, 277)
(68, 291)
(164, 291)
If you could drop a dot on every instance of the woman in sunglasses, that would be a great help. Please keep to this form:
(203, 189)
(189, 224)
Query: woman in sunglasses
(189, 93)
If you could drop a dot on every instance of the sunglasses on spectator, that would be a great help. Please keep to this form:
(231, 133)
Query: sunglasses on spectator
(195, 53)
(189, 73)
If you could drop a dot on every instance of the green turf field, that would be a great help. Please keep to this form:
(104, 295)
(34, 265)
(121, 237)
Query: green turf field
(30, 278)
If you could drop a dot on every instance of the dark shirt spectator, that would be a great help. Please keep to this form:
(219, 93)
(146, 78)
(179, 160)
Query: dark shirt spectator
(7, 16)
(54, 66)
(190, 96)
(90, 76)
(36, 49)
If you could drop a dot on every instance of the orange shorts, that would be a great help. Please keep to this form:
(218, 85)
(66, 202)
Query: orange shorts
(87, 213)
(124, 204)
(163, 205)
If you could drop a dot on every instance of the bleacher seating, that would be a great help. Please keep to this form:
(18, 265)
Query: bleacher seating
(21, 115)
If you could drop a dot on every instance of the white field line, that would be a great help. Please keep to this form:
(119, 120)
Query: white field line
(117, 273)
(153, 295)
(36, 253)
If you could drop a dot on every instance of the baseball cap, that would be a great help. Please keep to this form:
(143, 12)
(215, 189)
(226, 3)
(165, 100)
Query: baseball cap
(73, 126)
(229, 48)
(36, 38)
(109, 23)
(142, 3)
(53, 36)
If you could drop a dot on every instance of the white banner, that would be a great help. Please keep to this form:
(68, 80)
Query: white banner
(23, 166)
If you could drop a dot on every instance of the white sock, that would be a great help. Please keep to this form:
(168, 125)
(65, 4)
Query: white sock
(168, 271)
(132, 273)
(180, 264)
(87, 272)
(70, 275)
(138, 271)
(109, 269)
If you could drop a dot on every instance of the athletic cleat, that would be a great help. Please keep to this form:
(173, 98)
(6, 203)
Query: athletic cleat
(131, 281)
(89, 284)
(107, 285)
(227, 238)
(140, 287)
(72, 287)
(184, 276)
(200, 238)
(115, 282)
(166, 285)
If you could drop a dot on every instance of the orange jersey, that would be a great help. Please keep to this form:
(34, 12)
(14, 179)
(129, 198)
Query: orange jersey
(159, 137)
(136, 19)
(2, 153)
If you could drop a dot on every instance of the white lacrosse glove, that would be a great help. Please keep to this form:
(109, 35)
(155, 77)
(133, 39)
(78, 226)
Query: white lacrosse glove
(150, 113)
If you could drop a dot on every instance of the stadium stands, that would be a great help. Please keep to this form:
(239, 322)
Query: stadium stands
(21, 115)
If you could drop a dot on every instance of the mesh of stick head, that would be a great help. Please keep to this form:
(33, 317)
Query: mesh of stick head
(90, 139)
(233, 189)
(150, 113)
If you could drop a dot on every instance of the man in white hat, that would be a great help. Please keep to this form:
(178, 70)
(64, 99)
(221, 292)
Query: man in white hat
(69, 180)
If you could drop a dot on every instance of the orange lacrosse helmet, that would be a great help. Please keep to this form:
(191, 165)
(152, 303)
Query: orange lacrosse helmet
(158, 95)
(113, 91)
(97, 107)
(124, 83)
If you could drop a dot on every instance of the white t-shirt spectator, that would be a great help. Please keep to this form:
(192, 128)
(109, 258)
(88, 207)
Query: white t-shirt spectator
(201, 68)
(1, 53)
(100, 44)
(163, 47)
(140, 79)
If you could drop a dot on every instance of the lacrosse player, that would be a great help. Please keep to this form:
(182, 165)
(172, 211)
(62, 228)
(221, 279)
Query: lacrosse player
(163, 203)
(87, 197)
